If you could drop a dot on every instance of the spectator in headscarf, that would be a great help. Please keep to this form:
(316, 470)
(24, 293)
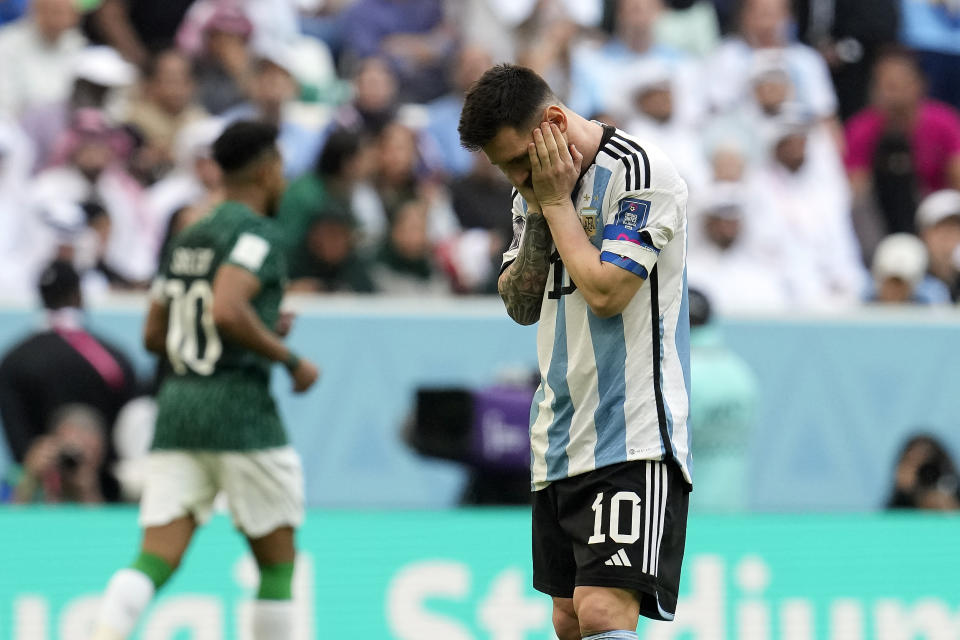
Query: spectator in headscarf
(224, 65)
(726, 261)
(597, 73)
(765, 25)
(98, 73)
(803, 203)
(89, 166)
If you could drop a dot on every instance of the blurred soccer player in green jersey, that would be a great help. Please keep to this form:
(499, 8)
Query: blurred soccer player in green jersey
(215, 315)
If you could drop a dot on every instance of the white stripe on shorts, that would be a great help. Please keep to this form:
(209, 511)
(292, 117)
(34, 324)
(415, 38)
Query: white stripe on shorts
(663, 509)
(646, 523)
(655, 518)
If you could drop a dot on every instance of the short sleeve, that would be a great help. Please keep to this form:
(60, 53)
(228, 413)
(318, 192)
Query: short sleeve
(258, 253)
(638, 225)
(519, 215)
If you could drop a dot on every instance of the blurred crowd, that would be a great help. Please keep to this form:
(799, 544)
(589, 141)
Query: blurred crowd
(820, 140)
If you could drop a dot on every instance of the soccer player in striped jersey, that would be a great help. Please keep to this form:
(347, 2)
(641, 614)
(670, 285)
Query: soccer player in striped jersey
(215, 314)
(598, 258)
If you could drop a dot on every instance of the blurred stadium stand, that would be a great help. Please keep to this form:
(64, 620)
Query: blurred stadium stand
(838, 395)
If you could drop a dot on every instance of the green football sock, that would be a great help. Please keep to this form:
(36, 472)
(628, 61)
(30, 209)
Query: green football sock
(276, 582)
(154, 567)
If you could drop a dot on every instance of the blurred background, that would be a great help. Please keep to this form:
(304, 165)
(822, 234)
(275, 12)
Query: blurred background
(820, 140)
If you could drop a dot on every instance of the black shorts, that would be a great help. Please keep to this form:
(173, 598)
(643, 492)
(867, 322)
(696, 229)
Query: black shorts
(618, 526)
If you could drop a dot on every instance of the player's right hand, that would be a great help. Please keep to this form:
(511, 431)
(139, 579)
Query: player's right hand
(304, 375)
(533, 205)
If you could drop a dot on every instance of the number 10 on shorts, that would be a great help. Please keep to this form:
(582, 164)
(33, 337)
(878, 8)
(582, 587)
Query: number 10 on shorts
(620, 500)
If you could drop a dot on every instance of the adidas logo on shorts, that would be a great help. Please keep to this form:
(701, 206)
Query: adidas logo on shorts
(619, 559)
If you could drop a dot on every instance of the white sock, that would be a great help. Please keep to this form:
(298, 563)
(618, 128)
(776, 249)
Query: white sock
(128, 594)
(272, 620)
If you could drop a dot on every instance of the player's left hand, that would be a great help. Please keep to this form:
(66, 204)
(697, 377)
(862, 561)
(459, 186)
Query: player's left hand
(554, 165)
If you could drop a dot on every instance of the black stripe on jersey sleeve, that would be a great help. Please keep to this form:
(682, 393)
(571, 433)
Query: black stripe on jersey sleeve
(643, 154)
(657, 391)
(624, 157)
(612, 154)
(633, 158)
(629, 180)
(506, 264)
(619, 147)
(626, 163)
(628, 156)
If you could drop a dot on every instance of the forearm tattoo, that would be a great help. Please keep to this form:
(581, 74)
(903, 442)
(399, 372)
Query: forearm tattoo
(522, 284)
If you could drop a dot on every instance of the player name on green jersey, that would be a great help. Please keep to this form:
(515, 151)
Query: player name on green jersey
(191, 262)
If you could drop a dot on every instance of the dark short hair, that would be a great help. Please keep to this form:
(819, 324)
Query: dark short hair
(898, 53)
(700, 310)
(342, 145)
(242, 143)
(59, 285)
(93, 211)
(506, 95)
(152, 65)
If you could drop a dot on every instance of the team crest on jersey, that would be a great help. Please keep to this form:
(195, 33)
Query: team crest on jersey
(588, 218)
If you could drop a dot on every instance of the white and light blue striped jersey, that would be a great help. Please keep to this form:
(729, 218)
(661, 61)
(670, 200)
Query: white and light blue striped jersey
(616, 389)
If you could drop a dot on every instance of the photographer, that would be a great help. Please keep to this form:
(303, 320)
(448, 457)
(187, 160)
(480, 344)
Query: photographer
(65, 466)
(60, 365)
(925, 477)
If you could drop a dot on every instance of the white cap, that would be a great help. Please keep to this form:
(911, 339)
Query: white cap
(277, 54)
(66, 219)
(723, 200)
(769, 64)
(937, 206)
(793, 119)
(196, 140)
(900, 255)
(646, 75)
(103, 66)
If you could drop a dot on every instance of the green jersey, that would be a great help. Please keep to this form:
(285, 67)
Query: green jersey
(217, 395)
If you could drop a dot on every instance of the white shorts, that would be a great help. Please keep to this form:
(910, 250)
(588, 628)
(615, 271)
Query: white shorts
(263, 488)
